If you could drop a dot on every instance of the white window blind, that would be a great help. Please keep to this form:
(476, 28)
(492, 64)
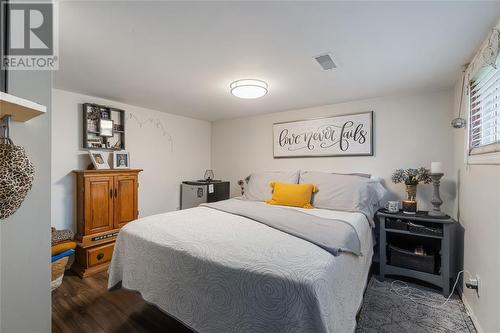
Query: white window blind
(484, 119)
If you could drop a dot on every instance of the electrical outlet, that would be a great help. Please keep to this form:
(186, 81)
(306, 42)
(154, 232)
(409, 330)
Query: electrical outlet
(474, 283)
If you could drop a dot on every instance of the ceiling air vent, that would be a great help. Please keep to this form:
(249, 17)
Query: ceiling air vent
(325, 61)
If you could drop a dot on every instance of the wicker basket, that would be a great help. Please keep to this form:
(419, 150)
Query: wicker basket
(58, 268)
(408, 259)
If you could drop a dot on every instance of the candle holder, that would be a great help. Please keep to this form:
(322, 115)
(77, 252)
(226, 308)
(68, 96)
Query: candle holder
(436, 198)
(409, 207)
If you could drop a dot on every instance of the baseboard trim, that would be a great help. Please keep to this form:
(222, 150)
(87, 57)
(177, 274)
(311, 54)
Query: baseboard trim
(471, 314)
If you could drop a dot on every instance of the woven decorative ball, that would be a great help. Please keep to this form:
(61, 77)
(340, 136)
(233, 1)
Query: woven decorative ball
(16, 178)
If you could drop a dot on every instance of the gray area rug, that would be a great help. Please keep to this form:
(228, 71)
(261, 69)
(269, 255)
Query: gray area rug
(385, 311)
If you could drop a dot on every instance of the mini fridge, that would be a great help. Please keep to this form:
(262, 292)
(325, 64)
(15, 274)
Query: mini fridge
(194, 193)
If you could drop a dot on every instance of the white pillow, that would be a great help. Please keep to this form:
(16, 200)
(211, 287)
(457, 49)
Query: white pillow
(259, 188)
(346, 192)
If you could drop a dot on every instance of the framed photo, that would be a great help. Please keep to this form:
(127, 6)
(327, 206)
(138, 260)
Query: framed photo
(121, 160)
(343, 135)
(98, 160)
(105, 127)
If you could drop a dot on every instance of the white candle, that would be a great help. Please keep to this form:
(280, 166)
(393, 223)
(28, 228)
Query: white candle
(436, 167)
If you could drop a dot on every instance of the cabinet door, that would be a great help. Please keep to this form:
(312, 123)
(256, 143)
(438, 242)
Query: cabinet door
(99, 204)
(125, 199)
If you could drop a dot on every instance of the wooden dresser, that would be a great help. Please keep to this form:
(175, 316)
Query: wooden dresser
(106, 201)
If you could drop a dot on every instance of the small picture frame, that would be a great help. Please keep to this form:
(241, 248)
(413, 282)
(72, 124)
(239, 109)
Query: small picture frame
(98, 160)
(121, 160)
(105, 127)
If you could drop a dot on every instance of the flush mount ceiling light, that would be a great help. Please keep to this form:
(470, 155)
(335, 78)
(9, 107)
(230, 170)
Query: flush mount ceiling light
(248, 88)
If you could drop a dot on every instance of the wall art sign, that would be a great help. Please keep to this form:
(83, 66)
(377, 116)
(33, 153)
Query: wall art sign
(345, 135)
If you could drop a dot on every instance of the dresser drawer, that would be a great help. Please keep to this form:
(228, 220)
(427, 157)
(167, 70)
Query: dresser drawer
(100, 254)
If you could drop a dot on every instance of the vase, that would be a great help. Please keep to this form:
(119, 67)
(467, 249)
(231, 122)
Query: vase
(411, 192)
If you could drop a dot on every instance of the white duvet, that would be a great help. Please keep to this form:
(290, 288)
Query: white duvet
(218, 272)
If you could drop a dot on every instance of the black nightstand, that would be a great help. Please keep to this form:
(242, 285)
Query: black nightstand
(400, 234)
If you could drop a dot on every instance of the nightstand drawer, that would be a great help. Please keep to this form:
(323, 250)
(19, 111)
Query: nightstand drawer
(100, 254)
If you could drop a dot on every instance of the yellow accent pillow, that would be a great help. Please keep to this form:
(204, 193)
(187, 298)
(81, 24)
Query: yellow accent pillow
(296, 195)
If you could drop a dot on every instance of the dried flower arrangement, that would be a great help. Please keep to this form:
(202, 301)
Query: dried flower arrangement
(411, 176)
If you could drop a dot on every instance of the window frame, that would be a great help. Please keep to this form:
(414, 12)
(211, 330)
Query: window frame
(487, 154)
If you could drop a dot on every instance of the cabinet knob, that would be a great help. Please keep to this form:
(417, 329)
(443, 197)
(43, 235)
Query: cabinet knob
(100, 256)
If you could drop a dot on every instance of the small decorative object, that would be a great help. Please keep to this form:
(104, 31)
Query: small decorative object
(92, 126)
(121, 160)
(16, 177)
(98, 160)
(93, 115)
(343, 135)
(411, 178)
(117, 127)
(209, 175)
(105, 127)
(392, 206)
(436, 198)
(460, 122)
(95, 142)
(241, 184)
(117, 145)
(104, 112)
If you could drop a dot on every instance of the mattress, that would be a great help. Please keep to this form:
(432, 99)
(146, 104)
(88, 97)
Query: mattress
(219, 272)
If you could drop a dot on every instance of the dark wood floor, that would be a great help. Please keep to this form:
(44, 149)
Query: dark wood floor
(81, 306)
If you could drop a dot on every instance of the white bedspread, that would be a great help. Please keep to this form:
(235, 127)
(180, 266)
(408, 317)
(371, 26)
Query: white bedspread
(218, 272)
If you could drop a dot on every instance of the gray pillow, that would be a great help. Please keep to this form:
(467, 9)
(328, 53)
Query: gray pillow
(258, 188)
(346, 192)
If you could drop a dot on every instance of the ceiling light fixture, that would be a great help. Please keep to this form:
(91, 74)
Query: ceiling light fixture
(248, 88)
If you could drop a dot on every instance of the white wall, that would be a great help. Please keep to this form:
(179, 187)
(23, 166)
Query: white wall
(479, 207)
(25, 236)
(165, 165)
(410, 131)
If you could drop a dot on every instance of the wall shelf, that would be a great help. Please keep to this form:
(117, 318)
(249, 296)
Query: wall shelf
(19, 109)
(93, 114)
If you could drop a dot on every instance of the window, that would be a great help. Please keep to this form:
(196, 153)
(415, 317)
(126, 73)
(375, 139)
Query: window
(484, 115)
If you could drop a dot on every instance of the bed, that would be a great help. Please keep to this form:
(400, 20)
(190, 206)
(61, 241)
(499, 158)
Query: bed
(219, 271)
